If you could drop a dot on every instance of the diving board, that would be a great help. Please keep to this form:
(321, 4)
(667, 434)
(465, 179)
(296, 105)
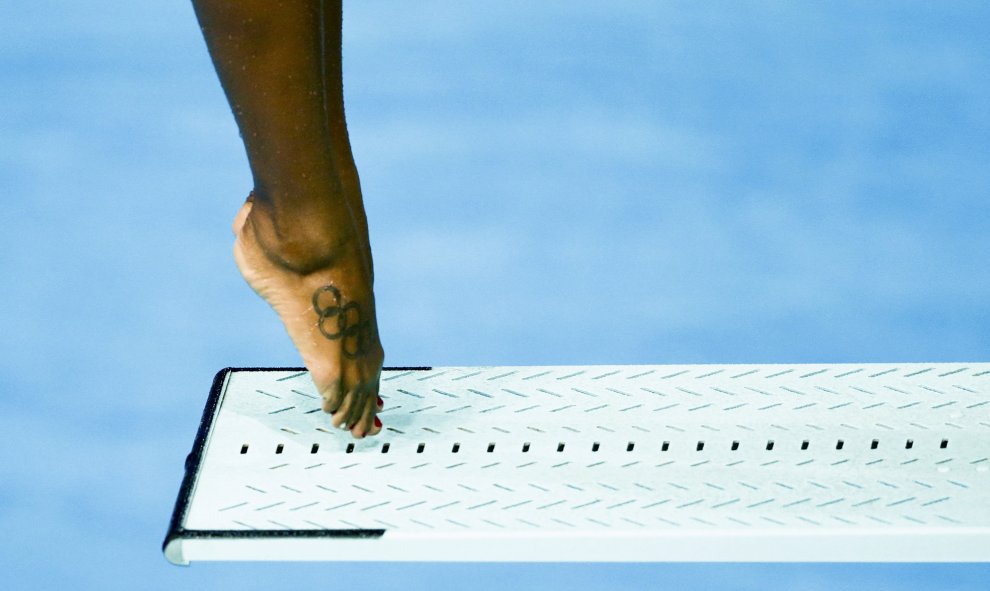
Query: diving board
(741, 463)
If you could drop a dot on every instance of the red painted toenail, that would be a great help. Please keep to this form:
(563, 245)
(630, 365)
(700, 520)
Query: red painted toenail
(378, 423)
(381, 402)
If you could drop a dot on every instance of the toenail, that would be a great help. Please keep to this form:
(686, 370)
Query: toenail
(381, 402)
(378, 423)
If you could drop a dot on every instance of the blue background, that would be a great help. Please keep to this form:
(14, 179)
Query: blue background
(547, 183)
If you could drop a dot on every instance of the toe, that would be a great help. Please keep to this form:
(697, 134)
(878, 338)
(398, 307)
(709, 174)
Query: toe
(355, 414)
(343, 411)
(365, 424)
(332, 397)
(376, 426)
(376, 423)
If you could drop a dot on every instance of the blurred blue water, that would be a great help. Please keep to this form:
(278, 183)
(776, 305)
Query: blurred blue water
(546, 182)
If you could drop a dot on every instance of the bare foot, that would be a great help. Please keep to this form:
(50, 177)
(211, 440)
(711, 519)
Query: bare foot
(330, 316)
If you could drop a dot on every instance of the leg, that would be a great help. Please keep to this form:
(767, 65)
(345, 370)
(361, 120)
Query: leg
(301, 238)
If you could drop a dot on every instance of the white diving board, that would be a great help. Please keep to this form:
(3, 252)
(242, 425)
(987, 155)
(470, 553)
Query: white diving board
(740, 463)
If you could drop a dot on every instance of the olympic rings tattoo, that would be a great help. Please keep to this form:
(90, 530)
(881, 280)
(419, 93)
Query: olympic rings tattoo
(344, 320)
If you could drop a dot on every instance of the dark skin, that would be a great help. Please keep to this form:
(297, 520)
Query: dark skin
(302, 235)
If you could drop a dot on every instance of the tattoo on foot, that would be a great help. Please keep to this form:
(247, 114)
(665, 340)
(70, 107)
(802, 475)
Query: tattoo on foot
(342, 321)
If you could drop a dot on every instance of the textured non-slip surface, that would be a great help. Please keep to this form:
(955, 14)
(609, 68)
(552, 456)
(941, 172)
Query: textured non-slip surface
(610, 450)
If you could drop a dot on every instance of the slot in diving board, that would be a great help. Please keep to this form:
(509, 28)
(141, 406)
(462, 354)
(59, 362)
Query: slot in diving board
(739, 463)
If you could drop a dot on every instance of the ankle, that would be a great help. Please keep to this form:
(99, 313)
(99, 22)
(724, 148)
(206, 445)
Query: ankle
(303, 247)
